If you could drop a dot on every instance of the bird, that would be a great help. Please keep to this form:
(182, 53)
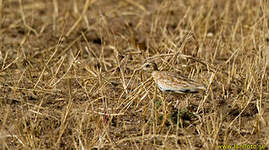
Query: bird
(171, 81)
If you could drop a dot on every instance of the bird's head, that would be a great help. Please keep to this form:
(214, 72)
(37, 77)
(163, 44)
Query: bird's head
(150, 66)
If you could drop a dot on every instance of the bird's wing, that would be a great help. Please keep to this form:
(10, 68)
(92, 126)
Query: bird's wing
(170, 81)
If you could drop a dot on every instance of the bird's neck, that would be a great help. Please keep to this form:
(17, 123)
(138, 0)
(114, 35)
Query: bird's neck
(154, 72)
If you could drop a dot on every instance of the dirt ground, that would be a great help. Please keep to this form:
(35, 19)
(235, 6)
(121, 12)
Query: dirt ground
(71, 77)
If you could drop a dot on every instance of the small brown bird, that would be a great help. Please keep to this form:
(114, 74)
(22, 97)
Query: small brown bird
(170, 81)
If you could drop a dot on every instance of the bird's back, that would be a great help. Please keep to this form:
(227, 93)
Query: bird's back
(169, 81)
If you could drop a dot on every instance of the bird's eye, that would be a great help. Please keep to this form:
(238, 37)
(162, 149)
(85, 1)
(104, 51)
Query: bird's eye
(147, 65)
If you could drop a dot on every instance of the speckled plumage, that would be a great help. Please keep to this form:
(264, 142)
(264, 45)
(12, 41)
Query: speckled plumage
(170, 81)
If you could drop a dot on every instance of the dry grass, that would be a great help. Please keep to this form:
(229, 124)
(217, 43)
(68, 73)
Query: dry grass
(70, 77)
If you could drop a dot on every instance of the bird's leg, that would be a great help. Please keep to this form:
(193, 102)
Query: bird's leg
(179, 103)
(178, 97)
(153, 111)
(164, 109)
(187, 102)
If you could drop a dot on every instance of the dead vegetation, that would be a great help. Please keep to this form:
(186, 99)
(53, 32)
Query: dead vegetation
(70, 74)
